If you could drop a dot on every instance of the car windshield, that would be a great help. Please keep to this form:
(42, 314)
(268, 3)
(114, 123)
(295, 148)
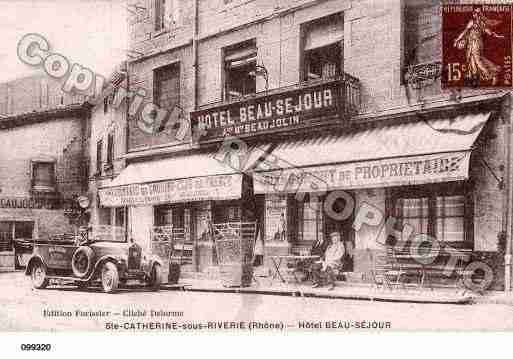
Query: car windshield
(107, 233)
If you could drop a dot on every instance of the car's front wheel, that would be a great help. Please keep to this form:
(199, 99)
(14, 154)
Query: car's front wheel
(38, 275)
(110, 277)
(156, 277)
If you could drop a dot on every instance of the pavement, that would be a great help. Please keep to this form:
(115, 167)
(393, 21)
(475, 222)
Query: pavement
(22, 308)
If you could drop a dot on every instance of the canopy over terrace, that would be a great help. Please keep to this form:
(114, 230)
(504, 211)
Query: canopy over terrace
(187, 178)
(437, 150)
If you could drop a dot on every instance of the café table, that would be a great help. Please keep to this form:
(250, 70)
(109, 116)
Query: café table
(279, 259)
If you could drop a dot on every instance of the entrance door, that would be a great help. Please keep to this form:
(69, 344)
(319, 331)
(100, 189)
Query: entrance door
(339, 217)
(6, 236)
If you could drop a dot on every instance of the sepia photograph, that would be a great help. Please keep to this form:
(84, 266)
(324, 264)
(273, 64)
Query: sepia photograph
(255, 166)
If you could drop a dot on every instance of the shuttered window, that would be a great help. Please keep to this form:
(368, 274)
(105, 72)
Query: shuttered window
(43, 176)
(240, 70)
(323, 46)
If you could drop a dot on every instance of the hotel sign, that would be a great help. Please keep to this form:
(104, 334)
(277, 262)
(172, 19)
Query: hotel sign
(174, 191)
(400, 171)
(279, 111)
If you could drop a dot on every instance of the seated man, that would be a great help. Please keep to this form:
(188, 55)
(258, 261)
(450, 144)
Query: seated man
(331, 261)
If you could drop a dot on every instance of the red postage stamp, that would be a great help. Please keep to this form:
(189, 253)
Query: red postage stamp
(476, 42)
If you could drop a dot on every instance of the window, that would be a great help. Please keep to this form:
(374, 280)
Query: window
(309, 219)
(167, 88)
(119, 216)
(99, 149)
(167, 14)
(422, 40)
(442, 211)
(110, 150)
(43, 176)
(323, 46)
(240, 70)
(167, 215)
(104, 216)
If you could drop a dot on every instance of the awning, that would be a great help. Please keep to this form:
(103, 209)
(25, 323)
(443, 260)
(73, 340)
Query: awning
(437, 150)
(186, 178)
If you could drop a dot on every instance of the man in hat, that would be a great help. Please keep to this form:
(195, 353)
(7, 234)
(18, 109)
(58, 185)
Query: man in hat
(329, 263)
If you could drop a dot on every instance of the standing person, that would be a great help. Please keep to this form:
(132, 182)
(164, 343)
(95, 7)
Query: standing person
(283, 228)
(258, 254)
(331, 261)
(471, 39)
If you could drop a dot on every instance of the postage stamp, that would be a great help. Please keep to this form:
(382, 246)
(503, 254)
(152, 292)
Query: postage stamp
(476, 46)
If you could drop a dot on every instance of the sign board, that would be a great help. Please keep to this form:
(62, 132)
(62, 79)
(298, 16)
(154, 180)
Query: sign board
(32, 203)
(399, 171)
(174, 191)
(283, 110)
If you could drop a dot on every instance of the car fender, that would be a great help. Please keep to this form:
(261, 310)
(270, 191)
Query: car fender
(99, 263)
(150, 262)
(32, 260)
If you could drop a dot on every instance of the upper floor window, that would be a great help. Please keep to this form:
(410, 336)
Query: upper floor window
(43, 176)
(422, 40)
(106, 104)
(166, 88)
(240, 70)
(323, 47)
(167, 13)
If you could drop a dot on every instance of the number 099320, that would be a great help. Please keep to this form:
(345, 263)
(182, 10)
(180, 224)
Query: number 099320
(36, 347)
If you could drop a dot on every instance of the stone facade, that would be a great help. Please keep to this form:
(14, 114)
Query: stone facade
(377, 39)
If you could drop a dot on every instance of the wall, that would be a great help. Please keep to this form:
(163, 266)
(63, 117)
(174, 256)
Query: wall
(59, 139)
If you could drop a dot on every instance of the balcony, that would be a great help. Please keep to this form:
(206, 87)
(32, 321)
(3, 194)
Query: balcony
(307, 104)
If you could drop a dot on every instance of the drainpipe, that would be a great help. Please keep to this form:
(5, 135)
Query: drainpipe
(507, 212)
(195, 54)
(195, 250)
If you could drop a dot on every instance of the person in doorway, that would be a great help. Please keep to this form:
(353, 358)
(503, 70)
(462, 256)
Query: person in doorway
(330, 262)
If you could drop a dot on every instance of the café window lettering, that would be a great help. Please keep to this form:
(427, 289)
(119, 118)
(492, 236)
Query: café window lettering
(240, 70)
(43, 176)
(323, 47)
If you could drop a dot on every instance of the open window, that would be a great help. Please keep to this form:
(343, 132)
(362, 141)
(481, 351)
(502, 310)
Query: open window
(43, 176)
(167, 14)
(240, 70)
(323, 48)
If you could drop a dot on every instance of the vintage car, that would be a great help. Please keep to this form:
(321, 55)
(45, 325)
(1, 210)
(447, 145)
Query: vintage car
(112, 263)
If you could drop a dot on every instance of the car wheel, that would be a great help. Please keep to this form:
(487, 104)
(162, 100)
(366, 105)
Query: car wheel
(38, 275)
(110, 277)
(82, 261)
(156, 277)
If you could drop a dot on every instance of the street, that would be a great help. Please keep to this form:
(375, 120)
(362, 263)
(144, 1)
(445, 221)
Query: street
(66, 308)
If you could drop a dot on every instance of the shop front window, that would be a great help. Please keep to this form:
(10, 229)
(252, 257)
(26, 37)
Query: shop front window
(443, 212)
(169, 215)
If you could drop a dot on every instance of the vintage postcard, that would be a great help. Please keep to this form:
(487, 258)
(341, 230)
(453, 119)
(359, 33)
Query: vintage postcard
(196, 166)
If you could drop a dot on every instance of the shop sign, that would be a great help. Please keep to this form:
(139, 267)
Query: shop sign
(30, 203)
(399, 171)
(272, 113)
(174, 191)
